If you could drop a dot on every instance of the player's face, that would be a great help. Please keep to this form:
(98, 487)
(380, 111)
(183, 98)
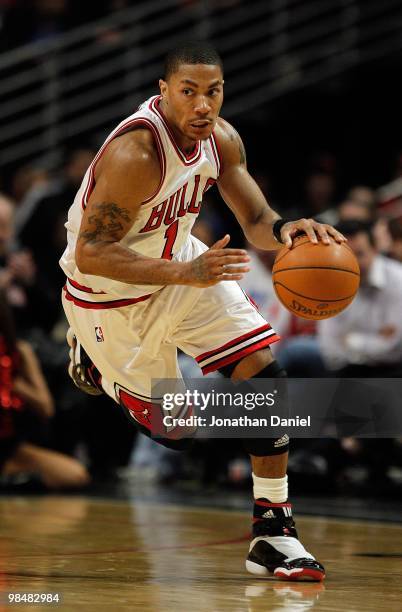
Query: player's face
(192, 99)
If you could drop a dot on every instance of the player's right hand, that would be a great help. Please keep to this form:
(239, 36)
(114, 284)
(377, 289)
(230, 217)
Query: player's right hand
(217, 264)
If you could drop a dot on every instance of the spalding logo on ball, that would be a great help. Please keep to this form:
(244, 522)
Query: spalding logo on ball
(316, 281)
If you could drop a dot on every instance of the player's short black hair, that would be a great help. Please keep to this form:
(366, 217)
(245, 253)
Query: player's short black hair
(352, 227)
(196, 52)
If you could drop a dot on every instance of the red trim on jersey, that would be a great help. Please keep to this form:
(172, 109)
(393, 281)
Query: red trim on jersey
(252, 348)
(226, 346)
(210, 183)
(103, 305)
(219, 151)
(191, 158)
(129, 124)
(215, 154)
(83, 288)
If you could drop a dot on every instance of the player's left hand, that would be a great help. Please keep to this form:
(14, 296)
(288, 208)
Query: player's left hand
(314, 230)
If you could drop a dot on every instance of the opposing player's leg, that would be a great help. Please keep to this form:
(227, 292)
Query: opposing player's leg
(275, 548)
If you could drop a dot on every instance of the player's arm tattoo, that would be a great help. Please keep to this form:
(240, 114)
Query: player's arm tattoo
(242, 150)
(105, 224)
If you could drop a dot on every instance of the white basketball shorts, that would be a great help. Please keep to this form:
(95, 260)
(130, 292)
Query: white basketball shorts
(134, 344)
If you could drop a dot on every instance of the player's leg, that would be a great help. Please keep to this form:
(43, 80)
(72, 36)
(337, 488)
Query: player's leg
(119, 351)
(224, 331)
(275, 547)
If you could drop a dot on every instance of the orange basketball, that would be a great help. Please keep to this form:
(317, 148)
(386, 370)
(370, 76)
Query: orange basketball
(316, 281)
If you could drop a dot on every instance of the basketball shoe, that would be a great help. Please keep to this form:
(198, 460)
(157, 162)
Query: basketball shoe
(81, 369)
(275, 548)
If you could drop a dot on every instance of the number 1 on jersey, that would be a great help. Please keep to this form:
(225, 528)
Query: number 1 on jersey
(170, 235)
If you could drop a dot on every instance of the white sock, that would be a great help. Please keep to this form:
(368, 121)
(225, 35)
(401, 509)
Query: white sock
(274, 489)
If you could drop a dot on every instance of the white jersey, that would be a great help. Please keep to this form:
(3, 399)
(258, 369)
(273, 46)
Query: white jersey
(163, 225)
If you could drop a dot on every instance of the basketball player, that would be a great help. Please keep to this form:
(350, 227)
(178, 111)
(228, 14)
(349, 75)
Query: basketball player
(139, 285)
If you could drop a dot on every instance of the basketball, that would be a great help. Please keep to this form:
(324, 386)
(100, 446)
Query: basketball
(316, 281)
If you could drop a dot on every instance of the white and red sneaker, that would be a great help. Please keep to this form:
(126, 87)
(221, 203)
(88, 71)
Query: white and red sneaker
(275, 549)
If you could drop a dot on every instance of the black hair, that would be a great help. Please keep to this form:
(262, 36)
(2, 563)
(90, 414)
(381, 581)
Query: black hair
(352, 227)
(196, 52)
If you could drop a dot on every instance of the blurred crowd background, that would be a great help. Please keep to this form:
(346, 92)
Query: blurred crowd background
(314, 96)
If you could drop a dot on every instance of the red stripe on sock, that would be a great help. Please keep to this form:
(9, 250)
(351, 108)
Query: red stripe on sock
(270, 505)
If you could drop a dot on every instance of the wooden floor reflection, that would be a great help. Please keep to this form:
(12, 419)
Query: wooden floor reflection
(106, 555)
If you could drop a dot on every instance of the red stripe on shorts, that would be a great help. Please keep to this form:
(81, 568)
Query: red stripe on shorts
(252, 348)
(103, 305)
(226, 346)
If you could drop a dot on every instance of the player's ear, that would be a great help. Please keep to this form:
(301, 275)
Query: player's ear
(163, 86)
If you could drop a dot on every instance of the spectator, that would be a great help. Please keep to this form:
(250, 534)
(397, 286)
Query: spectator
(56, 197)
(26, 179)
(395, 230)
(361, 205)
(353, 209)
(362, 195)
(366, 339)
(319, 197)
(23, 388)
(390, 195)
(18, 274)
(358, 204)
(47, 219)
(382, 237)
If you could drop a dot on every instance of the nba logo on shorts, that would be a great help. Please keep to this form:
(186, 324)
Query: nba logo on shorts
(99, 334)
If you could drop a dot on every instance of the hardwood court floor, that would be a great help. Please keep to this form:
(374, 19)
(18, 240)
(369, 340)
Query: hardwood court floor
(111, 555)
